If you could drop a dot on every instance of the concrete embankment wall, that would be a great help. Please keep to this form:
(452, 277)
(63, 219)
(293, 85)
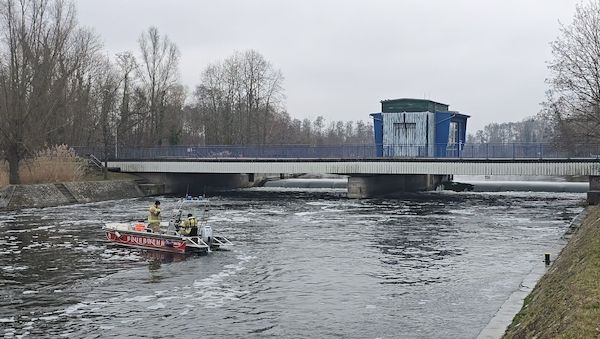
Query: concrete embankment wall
(46, 195)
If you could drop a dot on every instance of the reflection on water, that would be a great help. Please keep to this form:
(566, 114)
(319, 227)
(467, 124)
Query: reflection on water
(305, 264)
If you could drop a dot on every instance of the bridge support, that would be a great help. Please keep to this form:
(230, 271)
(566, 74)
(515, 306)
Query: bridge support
(366, 186)
(196, 183)
(593, 195)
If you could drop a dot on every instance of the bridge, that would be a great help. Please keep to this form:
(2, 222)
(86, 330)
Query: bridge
(368, 173)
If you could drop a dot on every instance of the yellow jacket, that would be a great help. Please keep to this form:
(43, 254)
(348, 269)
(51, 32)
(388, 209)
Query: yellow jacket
(187, 225)
(154, 215)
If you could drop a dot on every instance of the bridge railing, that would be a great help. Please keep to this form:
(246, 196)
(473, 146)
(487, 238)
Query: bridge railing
(362, 151)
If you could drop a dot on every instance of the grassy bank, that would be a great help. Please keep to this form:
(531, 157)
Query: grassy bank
(566, 301)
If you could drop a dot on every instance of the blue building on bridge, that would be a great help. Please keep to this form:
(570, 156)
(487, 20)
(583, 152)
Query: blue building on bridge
(418, 128)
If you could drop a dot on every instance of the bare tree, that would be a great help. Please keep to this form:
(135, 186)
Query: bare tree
(105, 106)
(41, 52)
(158, 72)
(239, 98)
(127, 67)
(574, 95)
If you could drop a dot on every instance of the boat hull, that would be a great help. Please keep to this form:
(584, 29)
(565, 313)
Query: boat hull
(128, 234)
(147, 241)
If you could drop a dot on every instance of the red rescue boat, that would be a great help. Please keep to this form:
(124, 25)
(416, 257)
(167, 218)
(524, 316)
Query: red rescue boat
(161, 242)
(139, 235)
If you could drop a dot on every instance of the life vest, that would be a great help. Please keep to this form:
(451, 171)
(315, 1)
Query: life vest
(187, 225)
(139, 227)
(191, 221)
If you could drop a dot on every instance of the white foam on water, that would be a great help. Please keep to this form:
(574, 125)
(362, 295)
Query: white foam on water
(42, 228)
(129, 321)
(118, 257)
(464, 211)
(49, 318)
(211, 291)
(327, 209)
(34, 245)
(156, 306)
(14, 268)
(140, 298)
(65, 245)
(245, 257)
(89, 248)
(7, 320)
(17, 231)
(301, 214)
(74, 308)
(240, 219)
(168, 298)
(30, 292)
(321, 203)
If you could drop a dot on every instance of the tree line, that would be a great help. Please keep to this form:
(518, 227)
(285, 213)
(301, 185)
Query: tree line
(529, 130)
(59, 86)
(570, 115)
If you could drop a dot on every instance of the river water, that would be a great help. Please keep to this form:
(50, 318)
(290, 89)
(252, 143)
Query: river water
(306, 264)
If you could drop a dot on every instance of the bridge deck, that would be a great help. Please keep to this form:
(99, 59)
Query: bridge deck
(467, 166)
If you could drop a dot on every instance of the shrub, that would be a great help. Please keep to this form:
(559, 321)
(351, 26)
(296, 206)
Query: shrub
(52, 164)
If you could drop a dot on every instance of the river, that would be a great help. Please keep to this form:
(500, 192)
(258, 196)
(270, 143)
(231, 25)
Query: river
(306, 263)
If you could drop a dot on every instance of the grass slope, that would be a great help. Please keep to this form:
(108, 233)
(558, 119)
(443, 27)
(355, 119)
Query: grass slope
(566, 301)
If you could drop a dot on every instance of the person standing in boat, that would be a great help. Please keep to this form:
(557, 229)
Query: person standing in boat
(154, 217)
(189, 227)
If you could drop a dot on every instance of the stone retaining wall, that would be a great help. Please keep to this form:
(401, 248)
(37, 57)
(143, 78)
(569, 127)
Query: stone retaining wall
(46, 195)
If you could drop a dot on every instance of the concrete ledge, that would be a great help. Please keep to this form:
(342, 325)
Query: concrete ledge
(47, 195)
(90, 191)
(40, 195)
(6, 195)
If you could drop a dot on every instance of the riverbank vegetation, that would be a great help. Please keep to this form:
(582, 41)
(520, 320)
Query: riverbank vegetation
(51, 164)
(566, 301)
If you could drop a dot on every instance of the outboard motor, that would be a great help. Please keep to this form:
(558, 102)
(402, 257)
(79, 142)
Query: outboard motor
(206, 234)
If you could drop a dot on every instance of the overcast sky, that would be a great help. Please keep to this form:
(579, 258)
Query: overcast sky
(340, 58)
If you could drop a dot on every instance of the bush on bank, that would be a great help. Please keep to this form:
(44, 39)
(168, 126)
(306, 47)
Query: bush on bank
(52, 164)
(566, 301)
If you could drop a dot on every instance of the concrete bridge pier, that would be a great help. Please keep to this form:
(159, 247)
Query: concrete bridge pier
(196, 183)
(593, 195)
(367, 186)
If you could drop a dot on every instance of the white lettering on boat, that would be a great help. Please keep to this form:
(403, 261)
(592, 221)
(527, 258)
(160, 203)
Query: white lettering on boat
(146, 241)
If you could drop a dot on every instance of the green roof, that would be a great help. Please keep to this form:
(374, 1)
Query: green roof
(412, 105)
